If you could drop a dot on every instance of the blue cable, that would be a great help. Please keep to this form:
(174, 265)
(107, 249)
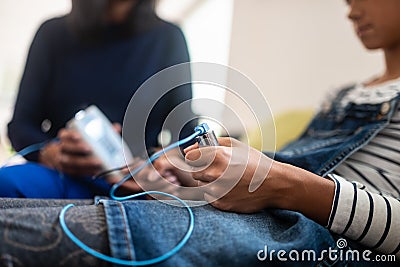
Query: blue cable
(198, 131)
(149, 161)
(32, 148)
(29, 149)
(131, 262)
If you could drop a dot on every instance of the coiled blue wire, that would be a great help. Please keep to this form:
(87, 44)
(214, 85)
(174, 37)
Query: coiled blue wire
(198, 131)
(132, 262)
(112, 195)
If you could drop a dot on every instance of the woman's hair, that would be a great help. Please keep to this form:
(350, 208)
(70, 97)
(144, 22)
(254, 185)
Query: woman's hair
(86, 19)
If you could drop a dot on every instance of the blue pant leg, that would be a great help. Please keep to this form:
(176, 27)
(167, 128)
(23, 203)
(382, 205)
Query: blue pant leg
(219, 238)
(32, 180)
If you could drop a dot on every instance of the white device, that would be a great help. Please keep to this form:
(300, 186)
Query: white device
(105, 142)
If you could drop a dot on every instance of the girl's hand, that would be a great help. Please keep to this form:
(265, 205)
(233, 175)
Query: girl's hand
(227, 173)
(239, 178)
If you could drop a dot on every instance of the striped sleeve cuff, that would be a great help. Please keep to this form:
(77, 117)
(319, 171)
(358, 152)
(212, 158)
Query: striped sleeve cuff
(371, 219)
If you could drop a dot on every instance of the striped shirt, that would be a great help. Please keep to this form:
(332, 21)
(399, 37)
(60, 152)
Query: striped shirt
(366, 206)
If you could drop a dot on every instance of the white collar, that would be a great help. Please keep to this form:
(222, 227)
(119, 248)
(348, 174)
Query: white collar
(372, 94)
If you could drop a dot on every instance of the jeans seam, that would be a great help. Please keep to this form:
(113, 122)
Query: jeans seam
(117, 226)
(127, 239)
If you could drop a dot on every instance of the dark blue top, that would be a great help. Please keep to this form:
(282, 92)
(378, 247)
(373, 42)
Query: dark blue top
(63, 75)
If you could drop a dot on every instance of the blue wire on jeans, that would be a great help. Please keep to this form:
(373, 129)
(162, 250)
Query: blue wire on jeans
(198, 131)
(132, 262)
(201, 129)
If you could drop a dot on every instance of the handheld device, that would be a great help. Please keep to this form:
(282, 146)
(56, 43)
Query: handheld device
(98, 132)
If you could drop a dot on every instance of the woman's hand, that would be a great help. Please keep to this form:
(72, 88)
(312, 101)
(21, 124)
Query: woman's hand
(169, 173)
(173, 168)
(49, 155)
(148, 179)
(71, 154)
(76, 157)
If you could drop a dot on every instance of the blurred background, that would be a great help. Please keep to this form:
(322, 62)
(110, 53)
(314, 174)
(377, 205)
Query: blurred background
(295, 51)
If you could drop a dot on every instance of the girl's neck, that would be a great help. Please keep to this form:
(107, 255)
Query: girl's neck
(392, 71)
(392, 60)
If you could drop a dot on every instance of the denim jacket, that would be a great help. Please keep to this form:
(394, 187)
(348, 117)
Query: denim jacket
(336, 132)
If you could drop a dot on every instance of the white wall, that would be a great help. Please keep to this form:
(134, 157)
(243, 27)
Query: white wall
(294, 50)
(297, 50)
(19, 20)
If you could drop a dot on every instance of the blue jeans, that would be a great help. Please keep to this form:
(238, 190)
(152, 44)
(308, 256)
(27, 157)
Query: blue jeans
(32, 180)
(138, 230)
(219, 238)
